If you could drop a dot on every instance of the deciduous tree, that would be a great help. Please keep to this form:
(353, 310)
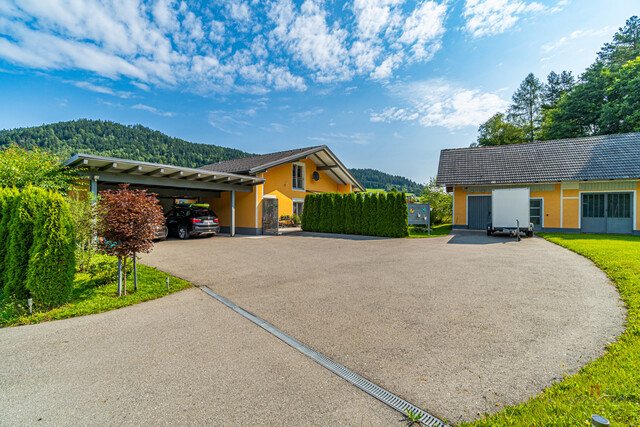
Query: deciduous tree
(128, 220)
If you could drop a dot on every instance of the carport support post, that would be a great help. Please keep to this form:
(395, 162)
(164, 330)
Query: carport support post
(94, 187)
(119, 276)
(232, 223)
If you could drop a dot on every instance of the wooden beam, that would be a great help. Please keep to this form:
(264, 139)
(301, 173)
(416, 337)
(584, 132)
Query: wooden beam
(158, 171)
(171, 175)
(133, 169)
(108, 166)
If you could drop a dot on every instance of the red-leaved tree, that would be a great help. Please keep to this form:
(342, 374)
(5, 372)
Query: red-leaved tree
(128, 220)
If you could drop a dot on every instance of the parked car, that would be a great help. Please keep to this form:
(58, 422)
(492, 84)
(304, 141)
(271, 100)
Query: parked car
(161, 233)
(194, 219)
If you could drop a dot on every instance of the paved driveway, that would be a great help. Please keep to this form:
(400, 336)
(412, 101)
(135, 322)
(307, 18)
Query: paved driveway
(456, 325)
(181, 360)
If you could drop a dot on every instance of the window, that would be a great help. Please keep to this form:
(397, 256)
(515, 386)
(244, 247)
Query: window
(298, 177)
(297, 208)
(619, 205)
(535, 211)
(593, 205)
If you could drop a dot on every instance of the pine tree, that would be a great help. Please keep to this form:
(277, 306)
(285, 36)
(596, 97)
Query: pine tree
(525, 111)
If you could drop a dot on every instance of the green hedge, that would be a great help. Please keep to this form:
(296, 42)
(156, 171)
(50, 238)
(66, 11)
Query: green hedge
(373, 215)
(38, 260)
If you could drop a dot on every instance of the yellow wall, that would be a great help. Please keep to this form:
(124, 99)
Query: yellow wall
(278, 182)
(556, 204)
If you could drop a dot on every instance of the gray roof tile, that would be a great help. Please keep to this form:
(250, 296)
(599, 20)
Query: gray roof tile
(252, 163)
(590, 158)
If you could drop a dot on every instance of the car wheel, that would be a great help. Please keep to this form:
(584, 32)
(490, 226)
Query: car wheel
(183, 233)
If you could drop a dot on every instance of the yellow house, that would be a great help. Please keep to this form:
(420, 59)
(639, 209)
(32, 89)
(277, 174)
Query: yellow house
(587, 185)
(288, 177)
(239, 191)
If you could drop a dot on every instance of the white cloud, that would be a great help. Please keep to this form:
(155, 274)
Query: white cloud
(437, 102)
(153, 110)
(578, 34)
(100, 89)
(489, 17)
(343, 138)
(308, 37)
(423, 29)
(245, 46)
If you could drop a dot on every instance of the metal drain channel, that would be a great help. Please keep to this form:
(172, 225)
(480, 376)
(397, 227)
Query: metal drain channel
(367, 386)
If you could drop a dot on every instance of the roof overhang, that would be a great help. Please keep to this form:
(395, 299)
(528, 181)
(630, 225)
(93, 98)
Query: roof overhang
(109, 169)
(325, 160)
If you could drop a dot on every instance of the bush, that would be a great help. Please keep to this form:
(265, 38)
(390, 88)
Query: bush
(349, 204)
(384, 215)
(401, 219)
(337, 214)
(7, 199)
(52, 256)
(22, 168)
(20, 230)
(364, 215)
(357, 213)
(373, 216)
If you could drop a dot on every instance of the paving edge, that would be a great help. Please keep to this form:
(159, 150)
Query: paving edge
(363, 384)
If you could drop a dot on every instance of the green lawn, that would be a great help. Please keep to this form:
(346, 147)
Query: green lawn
(436, 230)
(609, 386)
(88, 297)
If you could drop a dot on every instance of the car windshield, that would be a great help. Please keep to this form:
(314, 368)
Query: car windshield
(203, 212)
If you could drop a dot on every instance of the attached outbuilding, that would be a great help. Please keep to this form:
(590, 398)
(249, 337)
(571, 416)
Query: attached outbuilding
(586, 185)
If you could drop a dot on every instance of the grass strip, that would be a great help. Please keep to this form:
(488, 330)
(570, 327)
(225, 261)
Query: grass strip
(436, 230)
(88, 297)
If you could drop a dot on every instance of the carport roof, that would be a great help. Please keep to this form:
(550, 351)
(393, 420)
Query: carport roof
(112, 169)
(321, 155)
(593, 158)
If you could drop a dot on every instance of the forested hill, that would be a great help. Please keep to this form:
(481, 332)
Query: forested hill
(137, 142)
(115, 140)
(372, 178)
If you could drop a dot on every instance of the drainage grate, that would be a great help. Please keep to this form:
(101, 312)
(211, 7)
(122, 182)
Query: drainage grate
(367, 386)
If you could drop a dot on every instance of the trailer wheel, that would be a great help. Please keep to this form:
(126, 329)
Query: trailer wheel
(489, 232)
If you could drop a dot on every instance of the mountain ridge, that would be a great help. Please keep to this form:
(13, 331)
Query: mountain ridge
(138, 142)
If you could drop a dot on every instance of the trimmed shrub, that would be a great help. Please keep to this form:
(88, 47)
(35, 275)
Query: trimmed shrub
(305, 223)
(364, 215)
(327, 212)
(337, 217)
(21, 227)
(52, 260)
(357, 213)
(349, 204)
(385, 215)
(7, 199)
(342, 200)
(373, 216)
(401, 217)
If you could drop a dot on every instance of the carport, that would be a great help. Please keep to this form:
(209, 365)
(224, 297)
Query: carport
(168, 182)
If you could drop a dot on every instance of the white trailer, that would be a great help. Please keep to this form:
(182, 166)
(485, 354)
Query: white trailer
(510, 212)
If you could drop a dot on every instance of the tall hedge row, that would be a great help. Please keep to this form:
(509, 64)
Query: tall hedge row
(38, 258)
(382, 215)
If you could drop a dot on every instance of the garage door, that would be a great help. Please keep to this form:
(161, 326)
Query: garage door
(479, 212)
(607, 213)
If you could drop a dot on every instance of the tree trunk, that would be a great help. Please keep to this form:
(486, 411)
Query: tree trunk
(124, 276)
(135, 272)
(119, 276)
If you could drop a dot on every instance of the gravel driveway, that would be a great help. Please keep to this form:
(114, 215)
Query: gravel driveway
(457, 325)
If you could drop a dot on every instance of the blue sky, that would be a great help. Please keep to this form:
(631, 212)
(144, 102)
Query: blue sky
(386, 84)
